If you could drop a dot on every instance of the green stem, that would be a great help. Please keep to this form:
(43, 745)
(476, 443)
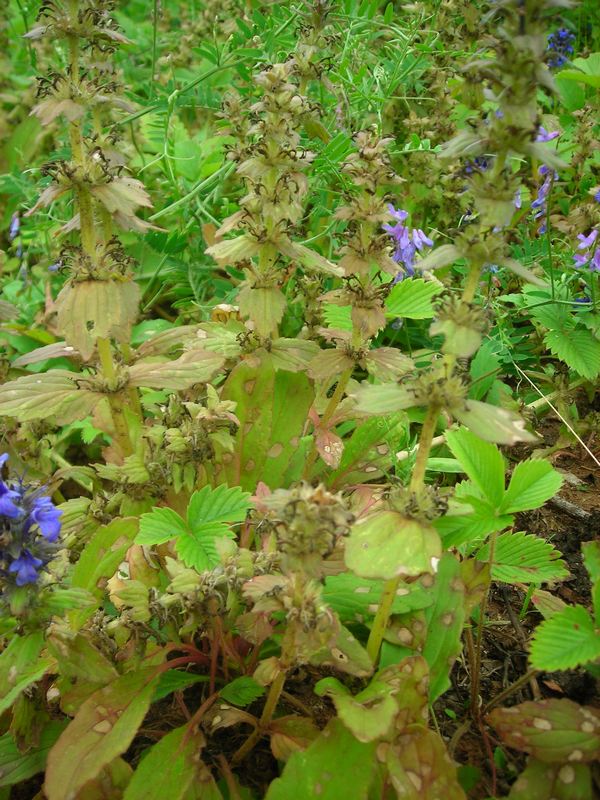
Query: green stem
(114, 398)
(270, 706)
(382, 617)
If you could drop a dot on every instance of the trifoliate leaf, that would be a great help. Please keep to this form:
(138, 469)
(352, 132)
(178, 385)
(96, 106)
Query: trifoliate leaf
(159, 526)
(242, 691)
(532, 483)
(481, 461)
(524, 558)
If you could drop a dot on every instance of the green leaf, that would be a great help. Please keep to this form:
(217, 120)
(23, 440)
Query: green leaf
(159, 526)
(366, 449)
(586, 70)
(524, 558)
(339, 317)
(412, 299)
(175, 680)
(103, 728)
(540, 781)
(551, 730)
(16, 766)
(313, 774)
(99, 559)
(591, 559)
(566, 640)
(199, 549)
(172, 769)
(384, 398)
(370, 714)
(20, 666)
(53, 393)
(532, 483)
(578, 349)
(493, 424)
(481, 461)
(272, 407)
(209, 508)
(445, 619)
(387, 545)
(242, 691)
(356, 599)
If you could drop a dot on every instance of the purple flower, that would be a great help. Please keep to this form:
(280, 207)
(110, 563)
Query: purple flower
(517, 199)
(591, 254)
(544, 136)
(29, 527)
(15, 225)
(25, 567)
(597, 196)
(539, 203)
(407, 241)
(47, 517)
(560, 47)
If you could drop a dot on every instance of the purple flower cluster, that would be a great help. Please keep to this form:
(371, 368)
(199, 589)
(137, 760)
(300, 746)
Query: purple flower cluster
(560, 47)
(29, 527)
(591, 251)
(407, 242)
(539, 204)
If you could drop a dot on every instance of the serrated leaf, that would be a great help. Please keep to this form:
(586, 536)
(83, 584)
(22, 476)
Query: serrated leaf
(194, 366)
(566, 640)
(53, 393)
(532, 483)
(175, 680)
(311, 773)
(481, 461)
(386, 398)
(172, 769)
(159, 526)
(578, 349)
(493, 424)
(524, 558)
(16, 766)
(387, 545)
(198, 549)
(242, 691)
(411, 299)
(338, 317)
(102, 729)
(551, 730)
(214, 507)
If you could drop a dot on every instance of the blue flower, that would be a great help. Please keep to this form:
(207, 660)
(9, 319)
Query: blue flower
(15, 225)
(47, 517)
(546, 136)
(560, 47)
(408, 242)
(25, 567)
(29, 527)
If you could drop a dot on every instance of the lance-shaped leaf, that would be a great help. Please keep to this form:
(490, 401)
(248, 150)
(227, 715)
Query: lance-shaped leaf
(387, 363)
(493, 424)
(168, 340)
(90, 310)
(55, 350)
(16, 766)
(356, 599)
(313, 773)
(293, 355)
(272, 407)
(388, 545)
(103, 728)
(172, 768)
(21, 665)
(440, 257)
(52, 394)
(195, 366)
(420, 768)
(568, 639)
(386, 398)
(522, 272)
(540, 781)
(445, 620)
(231, 251)
(313, 262)
(550, 730)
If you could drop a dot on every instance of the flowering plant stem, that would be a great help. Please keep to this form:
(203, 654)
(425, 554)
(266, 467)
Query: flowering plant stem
(417, 480)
